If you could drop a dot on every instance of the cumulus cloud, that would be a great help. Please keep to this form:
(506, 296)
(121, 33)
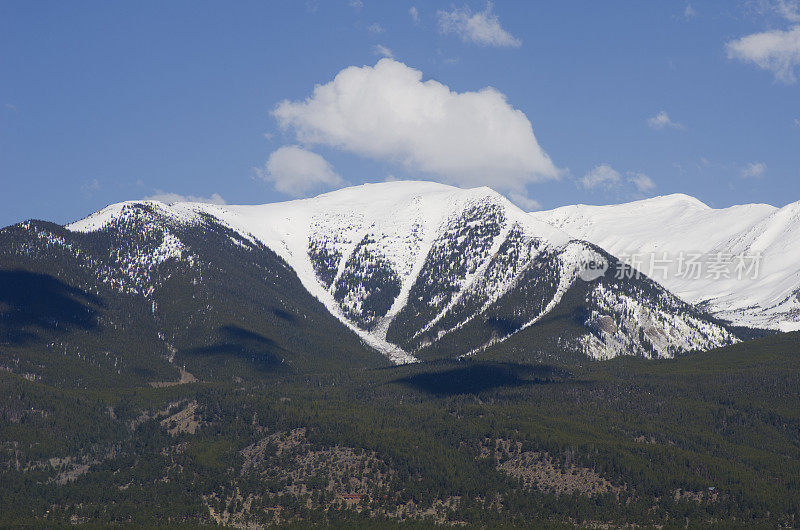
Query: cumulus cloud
(663, 121)
(602, 176)
(383, 51)
(296, 171)
(482, 28)
(754, 170)
(641, 182)
(388, 113)
(375, 28)
(777, 51)
(170, 198)
(414, 14)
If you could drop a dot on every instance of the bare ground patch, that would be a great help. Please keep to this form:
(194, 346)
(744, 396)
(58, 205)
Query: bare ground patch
(185, 420)
(540, 471)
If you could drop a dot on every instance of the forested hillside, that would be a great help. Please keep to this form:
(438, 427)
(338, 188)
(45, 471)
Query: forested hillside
(134, 303)
(711, 438)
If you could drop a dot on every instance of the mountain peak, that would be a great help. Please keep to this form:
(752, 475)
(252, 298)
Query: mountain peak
(677, 198)
(399, 191)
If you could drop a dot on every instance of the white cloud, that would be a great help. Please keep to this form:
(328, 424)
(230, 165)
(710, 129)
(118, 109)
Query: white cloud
(414, 14)
(90, 186)
(388, 113)
(375, 28)
(754, 170)
(169, 198)
(602, 176)
(358, 4)
(642, 182)
(777, 51)
(689, 11)
(383, 51)
(607, 178)
(296, 171)
(788, 9)
(446, 59)
(523, 201)
(481, 28)
(797, 122)
(663, 121)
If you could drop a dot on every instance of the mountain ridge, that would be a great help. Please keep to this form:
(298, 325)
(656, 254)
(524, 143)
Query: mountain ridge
(408, 264)
(652, 227)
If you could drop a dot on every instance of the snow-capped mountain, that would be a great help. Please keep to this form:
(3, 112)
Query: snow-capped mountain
(424, 270)
(150, 289)
(746, 259)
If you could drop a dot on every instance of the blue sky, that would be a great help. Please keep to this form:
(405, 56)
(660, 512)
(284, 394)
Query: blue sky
(108, 101)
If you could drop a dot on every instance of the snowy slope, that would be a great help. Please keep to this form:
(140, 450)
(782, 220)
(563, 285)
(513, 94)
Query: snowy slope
(416, 266)
(655, 233)
(400, 221)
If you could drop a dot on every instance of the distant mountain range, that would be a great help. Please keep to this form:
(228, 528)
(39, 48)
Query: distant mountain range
(669, 231)
(401, 270)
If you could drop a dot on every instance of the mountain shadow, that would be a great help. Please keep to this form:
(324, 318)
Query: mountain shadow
(283, 315)
(242, 344)
(31, 303)
(480, 377)
(503, 326)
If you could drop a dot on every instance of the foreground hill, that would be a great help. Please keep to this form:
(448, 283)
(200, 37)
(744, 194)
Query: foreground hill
(711, 439)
